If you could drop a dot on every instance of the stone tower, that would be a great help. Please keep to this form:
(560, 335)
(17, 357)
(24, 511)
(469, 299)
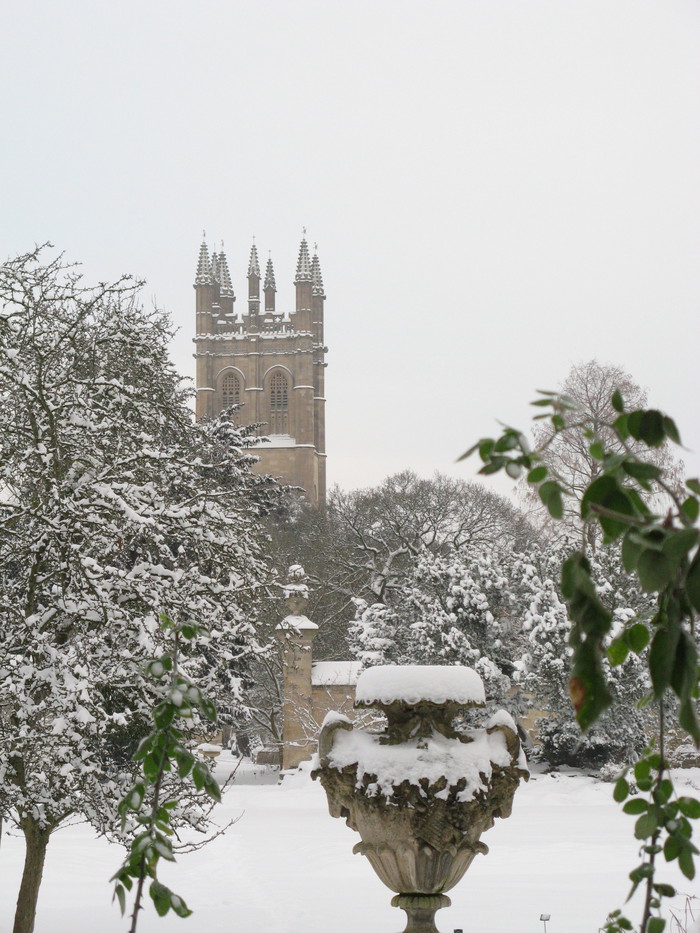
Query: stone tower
(268, 362)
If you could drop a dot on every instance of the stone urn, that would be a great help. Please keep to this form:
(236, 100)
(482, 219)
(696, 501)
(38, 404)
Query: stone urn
(421, 792)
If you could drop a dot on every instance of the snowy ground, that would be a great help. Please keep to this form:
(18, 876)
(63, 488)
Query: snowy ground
(287, 867)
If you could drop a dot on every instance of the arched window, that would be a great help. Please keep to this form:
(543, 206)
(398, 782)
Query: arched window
(230, 390)
(279, 404)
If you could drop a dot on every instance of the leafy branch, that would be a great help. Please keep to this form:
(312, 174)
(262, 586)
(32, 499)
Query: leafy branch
(162, 751)
(661, 550)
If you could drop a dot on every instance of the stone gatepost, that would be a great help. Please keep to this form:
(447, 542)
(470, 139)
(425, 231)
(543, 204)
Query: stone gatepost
(295, 634)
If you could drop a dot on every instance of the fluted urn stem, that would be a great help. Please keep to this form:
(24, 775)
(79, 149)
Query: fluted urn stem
(420, 910)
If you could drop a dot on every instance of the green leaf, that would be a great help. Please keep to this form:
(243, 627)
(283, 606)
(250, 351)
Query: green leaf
(662, 793)
(485, 446)
(665, 890)
(597, 450)
(164, 849)
(618, 651)
(656, 925)
(691, 508)
(210, 786)
(179, 906)
(135, 797)
(121, 897)
(621, 427)
(184, 760)
(151, 767)
(672, 848)
(693, 485)
(686, 863)
(468, 453)
(662, 658)
(647, 426)
(635, 806)
(638, 503)
(678, 543)
(550, 494)
(655, 570)
(616, 400)
(506, 442)
(163, 714)
(144, 747)
(643, 472)
(208, 708)
(637, 637)
(587, 686)
(685, 667)
(689, 807)
(198, 775)
(646, 825)
(671, 430)
(631, 549)
(161, 897)
(621, 791)
(493, 466)
(688, 719)
(692, 583)
(537, 474)
(642, 770)
(606, 493)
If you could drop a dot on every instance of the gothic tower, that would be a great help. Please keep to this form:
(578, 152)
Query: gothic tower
(268, 362)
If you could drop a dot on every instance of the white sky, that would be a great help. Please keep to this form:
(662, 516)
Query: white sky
(498, 188)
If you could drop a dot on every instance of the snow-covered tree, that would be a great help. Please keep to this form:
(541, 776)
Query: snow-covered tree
(548, 661)
(382, 531)
(454, 608)
(114, 508)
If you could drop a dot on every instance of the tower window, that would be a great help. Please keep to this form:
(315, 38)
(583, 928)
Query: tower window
(279, 404)
(230, 390)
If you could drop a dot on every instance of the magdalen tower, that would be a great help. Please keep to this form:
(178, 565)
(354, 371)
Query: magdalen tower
(269, 362)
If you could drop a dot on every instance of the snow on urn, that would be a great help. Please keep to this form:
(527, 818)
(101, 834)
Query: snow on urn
(420, 793)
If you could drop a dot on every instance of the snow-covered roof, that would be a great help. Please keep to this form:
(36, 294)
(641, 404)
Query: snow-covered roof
(328, 673)
(297, 622)
(419, 759)
(413, 683)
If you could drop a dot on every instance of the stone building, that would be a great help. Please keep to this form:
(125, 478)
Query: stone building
(269, 362)
(310, 688)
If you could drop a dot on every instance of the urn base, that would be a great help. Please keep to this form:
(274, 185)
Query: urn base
(420, 910)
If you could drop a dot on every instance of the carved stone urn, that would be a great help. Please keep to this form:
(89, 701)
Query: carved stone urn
(421, 792)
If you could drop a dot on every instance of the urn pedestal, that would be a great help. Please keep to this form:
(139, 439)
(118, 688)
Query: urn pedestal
(421, 792)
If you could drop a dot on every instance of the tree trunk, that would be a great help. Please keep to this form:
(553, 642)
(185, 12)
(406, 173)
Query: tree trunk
(36, 840)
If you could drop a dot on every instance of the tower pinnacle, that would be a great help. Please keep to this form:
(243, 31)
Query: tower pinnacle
(304, 262)
(316, 277)
(270, 276)
(254, 265)
(270, 288)
(224, 276)
(203, 276)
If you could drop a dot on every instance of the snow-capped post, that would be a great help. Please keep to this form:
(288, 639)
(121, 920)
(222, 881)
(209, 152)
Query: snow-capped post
(420, 793)
(295, 634)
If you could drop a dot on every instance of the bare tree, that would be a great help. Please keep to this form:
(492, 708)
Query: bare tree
(575, 456)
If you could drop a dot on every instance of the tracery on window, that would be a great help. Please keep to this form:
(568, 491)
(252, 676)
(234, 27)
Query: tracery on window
(279, 404)
(230, 390)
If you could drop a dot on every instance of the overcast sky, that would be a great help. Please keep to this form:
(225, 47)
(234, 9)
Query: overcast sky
(498, 188)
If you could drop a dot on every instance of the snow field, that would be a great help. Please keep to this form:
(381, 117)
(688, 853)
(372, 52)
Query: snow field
(287, 867)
